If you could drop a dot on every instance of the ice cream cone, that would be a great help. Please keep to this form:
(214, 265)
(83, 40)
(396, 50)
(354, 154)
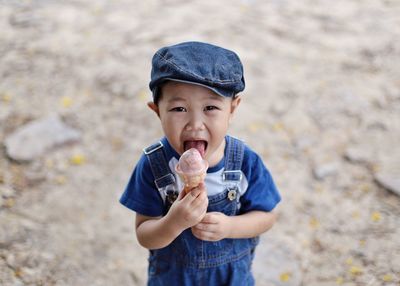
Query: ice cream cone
(192, 169)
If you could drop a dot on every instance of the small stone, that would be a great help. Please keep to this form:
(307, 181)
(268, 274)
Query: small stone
(35, 177)
(304, 143)
(356, 155)
(325, 170)
(391, 182)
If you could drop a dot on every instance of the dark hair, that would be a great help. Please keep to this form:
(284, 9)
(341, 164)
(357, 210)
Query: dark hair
(158, 93)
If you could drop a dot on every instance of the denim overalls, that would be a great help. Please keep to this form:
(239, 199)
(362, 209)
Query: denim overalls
(188, 260)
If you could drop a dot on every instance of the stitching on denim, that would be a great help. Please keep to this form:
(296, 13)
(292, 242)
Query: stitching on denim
(195, 75)
(224, 259)
(220, 262)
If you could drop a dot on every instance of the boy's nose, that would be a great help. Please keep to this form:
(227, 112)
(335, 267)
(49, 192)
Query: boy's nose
(195, 123)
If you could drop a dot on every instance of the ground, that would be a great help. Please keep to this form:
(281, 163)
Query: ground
(321, 106)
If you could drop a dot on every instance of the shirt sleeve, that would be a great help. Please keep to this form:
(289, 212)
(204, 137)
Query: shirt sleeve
(141, 194)
(262, 193)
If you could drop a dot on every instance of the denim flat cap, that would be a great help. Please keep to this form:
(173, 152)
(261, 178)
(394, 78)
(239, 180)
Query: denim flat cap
(198, 63)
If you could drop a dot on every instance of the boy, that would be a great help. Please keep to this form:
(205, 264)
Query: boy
(208, 236)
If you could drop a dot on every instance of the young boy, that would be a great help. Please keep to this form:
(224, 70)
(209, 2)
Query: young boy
(208, 236)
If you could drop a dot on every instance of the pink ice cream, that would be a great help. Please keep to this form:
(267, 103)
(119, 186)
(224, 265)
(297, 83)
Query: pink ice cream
(191, 168)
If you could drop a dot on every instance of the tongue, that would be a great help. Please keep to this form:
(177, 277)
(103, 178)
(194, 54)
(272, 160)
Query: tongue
(199, 145)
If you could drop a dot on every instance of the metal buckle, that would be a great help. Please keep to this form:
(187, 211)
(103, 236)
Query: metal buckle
(168, 177)
(232, 172)
(147, 152)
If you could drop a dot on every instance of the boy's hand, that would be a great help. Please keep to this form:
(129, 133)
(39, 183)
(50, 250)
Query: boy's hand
(189, 209)
(213, 227)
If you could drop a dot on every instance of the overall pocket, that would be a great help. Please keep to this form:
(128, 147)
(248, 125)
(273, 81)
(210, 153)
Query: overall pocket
(226, 203)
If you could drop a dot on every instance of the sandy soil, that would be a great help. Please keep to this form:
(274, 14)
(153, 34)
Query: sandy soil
(322, 106)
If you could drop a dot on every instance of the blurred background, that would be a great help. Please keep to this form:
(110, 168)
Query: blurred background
(321, 106)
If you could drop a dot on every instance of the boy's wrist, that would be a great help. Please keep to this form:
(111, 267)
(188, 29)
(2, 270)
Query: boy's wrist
(173, 228)
(230, 226)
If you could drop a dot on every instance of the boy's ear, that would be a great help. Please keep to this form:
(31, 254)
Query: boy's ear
(235, 103)
(154, 107)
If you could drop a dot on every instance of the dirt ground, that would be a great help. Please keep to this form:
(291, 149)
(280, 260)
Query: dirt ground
(321, 105)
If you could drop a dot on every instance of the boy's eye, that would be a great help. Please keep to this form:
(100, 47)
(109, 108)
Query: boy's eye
(178, 109)
(210, 107)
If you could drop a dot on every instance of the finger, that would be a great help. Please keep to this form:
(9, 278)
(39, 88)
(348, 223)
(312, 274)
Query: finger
(181, 195)
(200, 201)
(205, 227)
(204, 235)
(201, 186)
(210, 218)
(196, 233)
(195, 192)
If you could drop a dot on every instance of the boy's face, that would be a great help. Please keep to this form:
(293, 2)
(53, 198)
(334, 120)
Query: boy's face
(193, 116)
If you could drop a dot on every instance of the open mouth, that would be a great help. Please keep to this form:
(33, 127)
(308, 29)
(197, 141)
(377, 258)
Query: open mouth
(200, 145)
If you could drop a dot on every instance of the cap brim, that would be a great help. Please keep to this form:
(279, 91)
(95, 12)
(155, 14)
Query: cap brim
(195, 83)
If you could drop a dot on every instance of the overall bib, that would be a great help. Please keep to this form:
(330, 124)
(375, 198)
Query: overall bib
(191, 261)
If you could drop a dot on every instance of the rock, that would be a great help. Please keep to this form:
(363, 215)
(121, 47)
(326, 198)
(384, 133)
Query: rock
(24, 19)
(35, 138)
(356, 155)
(304, 143)
(389, 181)
(325, 170)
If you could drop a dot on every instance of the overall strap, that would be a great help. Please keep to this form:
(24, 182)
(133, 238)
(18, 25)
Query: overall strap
(159, 166)
(233, 160)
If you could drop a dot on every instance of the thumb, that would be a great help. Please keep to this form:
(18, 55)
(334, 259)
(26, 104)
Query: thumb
(181, 195)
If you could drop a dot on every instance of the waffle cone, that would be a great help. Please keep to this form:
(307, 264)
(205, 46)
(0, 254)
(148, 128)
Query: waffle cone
(192, 180)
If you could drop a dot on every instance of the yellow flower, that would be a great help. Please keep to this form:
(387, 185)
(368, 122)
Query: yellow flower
(355, 270)
(349, 261)
(285, 276)
(387, 278)
(6, 98)
(78, 159)
(339, 280)
(314, 223)
(376, 216)
(66, 101)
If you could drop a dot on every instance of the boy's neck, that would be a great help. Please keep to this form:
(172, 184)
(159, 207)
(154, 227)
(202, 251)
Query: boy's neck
(218, 155)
